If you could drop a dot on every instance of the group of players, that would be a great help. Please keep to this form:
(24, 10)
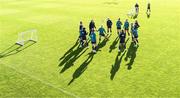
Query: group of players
(122, 30)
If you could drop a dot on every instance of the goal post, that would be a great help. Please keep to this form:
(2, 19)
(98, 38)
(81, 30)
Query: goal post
(33, 35)
(30, 35)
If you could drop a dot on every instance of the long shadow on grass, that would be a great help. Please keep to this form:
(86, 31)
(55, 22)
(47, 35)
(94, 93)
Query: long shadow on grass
(79, 71)
(74, 56)
(71, 56)
(131, 54)
(14, 49)
(102, 44)
(113, 45)
(70, 50)
(117, 64)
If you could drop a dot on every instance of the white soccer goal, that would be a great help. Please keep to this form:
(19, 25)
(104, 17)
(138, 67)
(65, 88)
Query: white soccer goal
(131, 13)
(30, 35)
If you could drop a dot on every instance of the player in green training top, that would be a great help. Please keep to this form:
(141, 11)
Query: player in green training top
(126, 27)
(118, 25)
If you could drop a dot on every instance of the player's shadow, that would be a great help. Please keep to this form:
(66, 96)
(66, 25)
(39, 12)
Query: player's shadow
(70, 50)
(113, 45)
(102, 44)
(14, 49)
(131, 54)
(117, 64)
(71, 56)
(81, 69)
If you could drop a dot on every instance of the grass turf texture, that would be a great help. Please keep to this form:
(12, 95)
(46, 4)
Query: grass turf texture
(151, 71)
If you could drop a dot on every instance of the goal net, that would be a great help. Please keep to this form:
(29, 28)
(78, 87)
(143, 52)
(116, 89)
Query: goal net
(30, 35)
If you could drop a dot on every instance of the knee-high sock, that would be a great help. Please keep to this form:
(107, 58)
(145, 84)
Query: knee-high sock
(137, 41)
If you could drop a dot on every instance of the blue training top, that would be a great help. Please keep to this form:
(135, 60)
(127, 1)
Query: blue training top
(135, 32)
(80, 33)
(101, 30)
(118, 23)
(126, 25)
(93, 37)
(83, 33)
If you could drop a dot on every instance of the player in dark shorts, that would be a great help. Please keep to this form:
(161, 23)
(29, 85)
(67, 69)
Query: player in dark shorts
(149, 7)
(102, 33)
(122, 37)
(135, 33)
(132, 31)
(136, 25)
(93, 40)
(148, 12)
(109, 26)
(80, 28)
(118, 25)
(137, 8)
(83, 39)
(92, 26)
(126, 27)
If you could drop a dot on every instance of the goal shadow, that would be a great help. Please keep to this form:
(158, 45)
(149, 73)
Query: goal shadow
(14, 49)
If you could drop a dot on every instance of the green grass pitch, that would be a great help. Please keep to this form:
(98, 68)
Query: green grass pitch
(42, 69)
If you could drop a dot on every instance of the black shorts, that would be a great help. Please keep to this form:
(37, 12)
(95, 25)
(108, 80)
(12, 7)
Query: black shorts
(93, 42)
(119, 28)
(126, 28)
(122, 41)
(83, 37)
(109, 27)
(102, 34)
(135, 36)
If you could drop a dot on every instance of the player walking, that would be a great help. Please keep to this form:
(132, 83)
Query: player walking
(93, 40)
(122, 37)
(109, 26)
(126, 27)
(118, 25)
(102, 33)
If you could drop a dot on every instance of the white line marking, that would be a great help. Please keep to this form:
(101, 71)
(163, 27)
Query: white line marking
(43, 82)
